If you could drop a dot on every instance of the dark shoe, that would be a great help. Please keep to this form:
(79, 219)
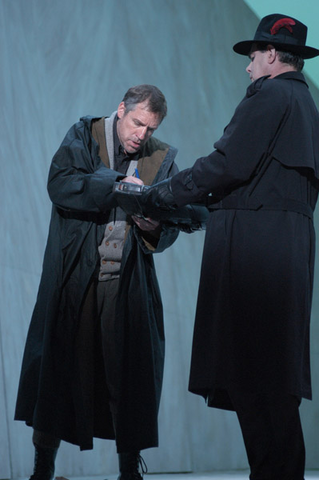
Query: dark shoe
(44, 463)
(132, 466)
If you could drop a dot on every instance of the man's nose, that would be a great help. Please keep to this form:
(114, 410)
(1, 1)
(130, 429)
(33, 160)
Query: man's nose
(141, 132)
(248, 69)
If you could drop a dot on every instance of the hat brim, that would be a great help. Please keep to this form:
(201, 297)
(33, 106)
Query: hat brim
(244, 48)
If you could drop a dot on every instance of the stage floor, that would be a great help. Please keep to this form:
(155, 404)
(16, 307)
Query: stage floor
(238, 475)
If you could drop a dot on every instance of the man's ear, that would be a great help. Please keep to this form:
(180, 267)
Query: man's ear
(121, 110)
(271, 54)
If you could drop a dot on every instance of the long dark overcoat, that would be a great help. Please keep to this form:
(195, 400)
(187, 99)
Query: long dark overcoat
(62, 388)
(253, 311)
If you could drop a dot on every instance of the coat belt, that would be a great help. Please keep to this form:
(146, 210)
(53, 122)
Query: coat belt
(283, 204)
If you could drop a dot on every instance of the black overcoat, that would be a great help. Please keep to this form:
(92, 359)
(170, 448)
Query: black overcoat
(62, 388)
(253, 310)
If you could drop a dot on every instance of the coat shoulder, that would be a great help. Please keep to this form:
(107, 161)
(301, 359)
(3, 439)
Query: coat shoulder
(154, 144)
(273, 89)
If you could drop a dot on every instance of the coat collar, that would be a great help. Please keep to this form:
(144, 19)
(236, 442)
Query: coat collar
(292, 75)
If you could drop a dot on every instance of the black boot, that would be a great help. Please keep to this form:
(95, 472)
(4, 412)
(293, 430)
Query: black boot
(132, 466)
(44, 463)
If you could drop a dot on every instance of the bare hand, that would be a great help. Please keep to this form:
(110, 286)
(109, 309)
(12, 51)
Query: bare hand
(131, 179)
(146, 224)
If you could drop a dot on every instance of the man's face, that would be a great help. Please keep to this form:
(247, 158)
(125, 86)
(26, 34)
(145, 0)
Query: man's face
(259, 65)
(135, 127)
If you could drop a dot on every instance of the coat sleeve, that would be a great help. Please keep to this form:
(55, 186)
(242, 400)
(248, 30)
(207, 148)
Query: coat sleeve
(238, 153)
(78, 180)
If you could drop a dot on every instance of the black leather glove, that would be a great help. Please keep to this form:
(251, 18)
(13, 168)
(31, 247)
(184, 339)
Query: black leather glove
(158, 196)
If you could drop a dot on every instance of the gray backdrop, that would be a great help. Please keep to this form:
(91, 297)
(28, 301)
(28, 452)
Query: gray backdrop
(64, 59)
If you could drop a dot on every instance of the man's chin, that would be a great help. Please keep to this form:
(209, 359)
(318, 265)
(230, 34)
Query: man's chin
(133, 149)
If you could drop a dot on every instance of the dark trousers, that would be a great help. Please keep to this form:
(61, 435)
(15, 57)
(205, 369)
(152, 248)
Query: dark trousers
(272, 432)
(106, 303)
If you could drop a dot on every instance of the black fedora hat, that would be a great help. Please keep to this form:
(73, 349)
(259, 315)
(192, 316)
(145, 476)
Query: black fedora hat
(281, 31)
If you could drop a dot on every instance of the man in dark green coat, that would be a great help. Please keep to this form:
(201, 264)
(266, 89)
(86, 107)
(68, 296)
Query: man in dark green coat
(93, 361)
(251, 336)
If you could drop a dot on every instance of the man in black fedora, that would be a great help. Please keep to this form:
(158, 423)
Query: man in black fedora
(251, 337)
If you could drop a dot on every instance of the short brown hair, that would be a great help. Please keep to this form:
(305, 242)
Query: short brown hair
(142, 93)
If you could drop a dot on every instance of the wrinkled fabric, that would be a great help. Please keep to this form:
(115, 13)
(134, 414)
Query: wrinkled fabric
(62, 389)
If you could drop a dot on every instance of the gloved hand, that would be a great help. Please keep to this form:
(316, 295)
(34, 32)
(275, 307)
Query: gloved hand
(158, 196)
